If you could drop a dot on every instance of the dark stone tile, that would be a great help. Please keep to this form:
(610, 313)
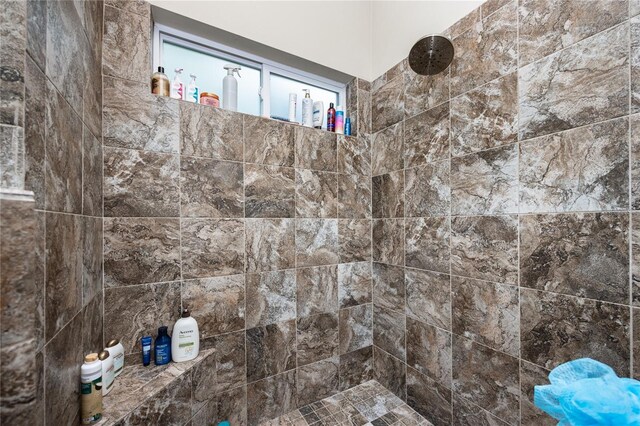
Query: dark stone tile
(136, 311)
(355, 328)
(211, 188)
(354, 196)
(39, 277)
(488, 378)
(635, 312)
(270, 244)
(19, 381)
(387, 150)
(354, 154)
(387, 104)
(426, 136)
(466, 413)
(269, 191)
(354, 238)
(317, 290)
(37, 32)
(34, 125)
(92, 240)
(423, 92)
(141, 183)
(558, 252)
(388, 195)
(13, 25)
(530, 376)
(430, 399)
(428, 190)
(12, 164)
(139, 7)
(427, 243)
(388, 286)
(126, 51)
(388, 241)
(390, 372)
(363, 116)
(212, 247)
(486, 117)
(634, 124)
(389, 331)
(635, 63)
(318, 381)
(92, 84)
(91, 175)
(579, 85)
(317, 338)
(315, 149)
(354, 284)
(485, 247)
(466, 22)
(555, 329)
(428, 297)
(232, 405)
(491, 6)
(136, 119)
(486, 313)
(429, 351)
(217, 303)
(356, 367)
(170, 406)
(316, 242)
(485, 182)
(92, 325)
(316, 194)
(577, 170)
(230, 353)
(271, 350)
(271, 397)
(635, 258)
(271, 297)
(268, 141)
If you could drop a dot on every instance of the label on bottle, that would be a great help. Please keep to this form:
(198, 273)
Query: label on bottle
(91, 401)
(160, 86)
(163, 354)
(118, 363)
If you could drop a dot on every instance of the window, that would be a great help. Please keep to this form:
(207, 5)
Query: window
(263, 85)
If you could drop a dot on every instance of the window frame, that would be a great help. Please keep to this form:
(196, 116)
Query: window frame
(266, 66)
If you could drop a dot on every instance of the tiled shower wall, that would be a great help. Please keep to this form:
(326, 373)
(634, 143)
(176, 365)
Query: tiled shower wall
(504, 192)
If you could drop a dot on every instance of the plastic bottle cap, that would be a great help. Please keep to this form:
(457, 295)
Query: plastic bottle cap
(112, 343)
(92, 357)
(162, 330)
(103, 355)
(186, 313)
(161, 69)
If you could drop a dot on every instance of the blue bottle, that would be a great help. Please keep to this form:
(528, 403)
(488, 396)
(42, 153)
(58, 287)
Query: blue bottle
(146, 350)
(162, 348)
(347, 127)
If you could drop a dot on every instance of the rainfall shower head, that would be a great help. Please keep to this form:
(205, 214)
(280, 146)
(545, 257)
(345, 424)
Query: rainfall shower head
(431, 55)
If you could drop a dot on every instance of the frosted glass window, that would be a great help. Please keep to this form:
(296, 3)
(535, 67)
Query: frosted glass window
(209, 73)
(282, 86)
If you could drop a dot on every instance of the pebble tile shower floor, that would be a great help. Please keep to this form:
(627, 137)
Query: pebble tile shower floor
(367, 404)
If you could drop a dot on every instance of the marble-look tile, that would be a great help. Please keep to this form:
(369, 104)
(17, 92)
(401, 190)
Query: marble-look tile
(271, 397)
(390, 372)
(388, 241)
(92, 325)
(426, 136)
(268, 141)
(388, 286)
(463, 24)
(126, 51)
(429, 351)
(92, 258)
(363, 122)
(389, 331)
(356, 328)
(635, 258)
(92, 14)
(386, 150)
(316, 194)
(136, 119)
(212, 247)
(21, 383)
(39, 268)
(466, 413)
(271, 297)
(318, 381)
(354, 238)
(354, 284)
(634, 7)
(427, 190)
(485, 182)
(486, 117)
(315, 149)
(141, 250)
(577, 170)
(354, 154)
(580, 254)
(356, 367)
(271, 350)
(546, 26)
(92, 84)
(388, 195)
(62, 355)
(12, 150)
(211, 188)
(579, 85)
(63, 165)
(555, 329)
(170, 406)
(491, 6)
(485, 247)
(232, 405)
(387, 104)
(489, 378)
(37, 32)
(316, 242)
(203, 387)
(530, 376)
(269, 244)
(429, 398)
(635, 312)
(317, 338)
(354, 196)
(34, 130)
(269, 191)
(145, 308)
(230, 353)
(91, 175)
(317, 290)
(486, 51)
(423, 92)
(634, 125)
(140, 183)
(428, 297)
(139, 7)
(64, 256)
(210, 132)
(635, 63)
(427, 243)
(218, 303)
(486, 313)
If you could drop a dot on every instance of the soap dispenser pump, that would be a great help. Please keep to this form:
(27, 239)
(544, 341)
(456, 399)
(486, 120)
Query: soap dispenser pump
(307, 109)
(230, 88)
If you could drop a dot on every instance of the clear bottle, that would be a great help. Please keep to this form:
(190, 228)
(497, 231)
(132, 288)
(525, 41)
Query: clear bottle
(193, 94)
(177, 88)
(230, 88)
(160, 83)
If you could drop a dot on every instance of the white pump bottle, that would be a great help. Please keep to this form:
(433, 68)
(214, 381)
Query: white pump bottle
(230, 88)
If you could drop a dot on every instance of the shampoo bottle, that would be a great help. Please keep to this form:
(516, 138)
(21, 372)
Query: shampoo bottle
(116, 350)
(185, 342)
(91, 390)
(146, 350)
(193, 94)
(331, 118)
(339, 120)
(318, 114)
(108, 374)
(230, 88)
(307, 109)
(162, 348)
(177, 88)
(160, 83)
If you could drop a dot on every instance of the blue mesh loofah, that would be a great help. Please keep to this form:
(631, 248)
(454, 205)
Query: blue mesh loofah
(586, 392)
